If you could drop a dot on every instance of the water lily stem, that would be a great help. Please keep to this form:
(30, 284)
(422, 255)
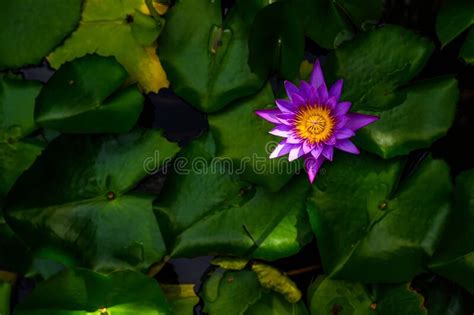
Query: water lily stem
(299, 271)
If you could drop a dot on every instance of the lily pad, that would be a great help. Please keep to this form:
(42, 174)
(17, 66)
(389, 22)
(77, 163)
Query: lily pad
(328, 296)
(367, 222)
(124, 30)
(377, 68)
(330, 22)
(206, 56)
(82, 97)
(15, 256)
(425, 116)
(276, 40)
(455, 17)
(242, 137)
(5, 297)
(31, 29)
(454, 258)
(80, 291)
(85, 207)
(442, 296)
(467, 50)
(240, 292)
(205, 209)
(17, 103)
(181, 298)
(376, 64)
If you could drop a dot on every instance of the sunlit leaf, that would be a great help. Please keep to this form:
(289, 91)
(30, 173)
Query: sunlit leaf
(240, 292)
(118, 29)
(80, 291)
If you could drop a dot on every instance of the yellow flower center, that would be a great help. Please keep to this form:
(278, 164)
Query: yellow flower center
(314, 123)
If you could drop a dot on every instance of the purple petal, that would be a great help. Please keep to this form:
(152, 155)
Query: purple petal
(323, 93)
(281, 131)
(317, 76)
(331, 103)
(307, 147)
(331, 140)
(290, 88)
(269, 114)
(342, 108)
(293, 139)
(357, 121)
(344, 133)
(286, 118)
(285, 106)
(297, 100)
(336, 89)
(347, 146)
(310, 92)
(281, 149)
(328, 152)
(341, 121)
(294, 94)
(316, 152)
(295, 153)
(312, 167)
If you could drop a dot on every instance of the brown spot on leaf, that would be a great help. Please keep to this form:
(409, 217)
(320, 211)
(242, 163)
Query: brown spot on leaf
(111, 195)
(336, 309)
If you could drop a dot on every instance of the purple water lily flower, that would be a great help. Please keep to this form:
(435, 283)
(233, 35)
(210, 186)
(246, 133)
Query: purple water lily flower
(313, 122)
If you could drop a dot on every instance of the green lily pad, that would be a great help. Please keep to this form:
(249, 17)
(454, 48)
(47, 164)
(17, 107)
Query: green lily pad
(276, 40)
(242, 137)
(329, 22)
(204, 208)
(366, 222)
(124, 30)
(15, 256)
(82, 97)
(240, 293)
(454, 18)
(328, 296)
(442, 296)
(252, 7)
(17, 103)
(5, 296)
(181, 298)
(425, 116)
(454, 258)
(272, 279)
(205, 56)
(229, 262)
(80, 291)
(467, 49)
(85, 208)
(377, 68)
(376, 64)
(31, 29)
(16, 156)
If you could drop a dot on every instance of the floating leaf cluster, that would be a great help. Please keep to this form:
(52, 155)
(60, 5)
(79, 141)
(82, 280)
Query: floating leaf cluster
(96, 205)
